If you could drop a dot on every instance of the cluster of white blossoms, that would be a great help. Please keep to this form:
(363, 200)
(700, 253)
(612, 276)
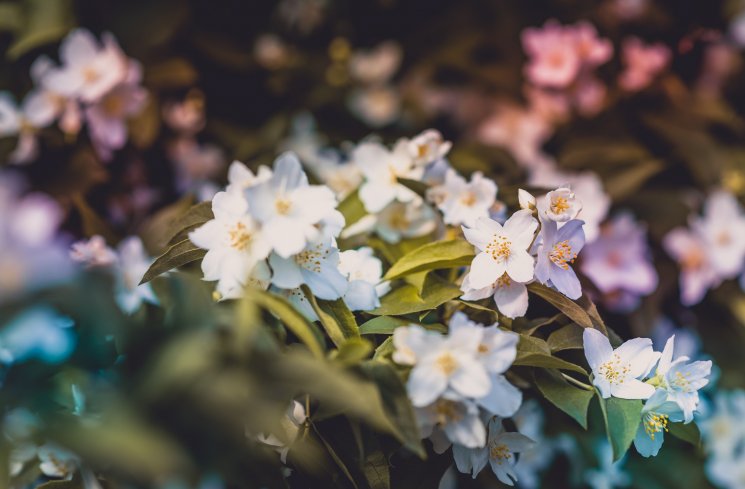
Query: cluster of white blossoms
(274, 228)
(723, 434)
(668, 384)
(459, 391)
(524, 249)
(95, 84)
(711, 249)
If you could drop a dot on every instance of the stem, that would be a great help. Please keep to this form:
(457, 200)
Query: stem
(576, 382)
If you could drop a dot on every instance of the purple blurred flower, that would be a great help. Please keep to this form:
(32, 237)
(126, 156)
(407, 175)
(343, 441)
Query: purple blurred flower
(618, 263)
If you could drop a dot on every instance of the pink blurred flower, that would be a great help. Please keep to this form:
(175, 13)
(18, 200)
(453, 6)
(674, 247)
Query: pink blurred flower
(554, 59)
(643, 62)
(619, 263)
(93, 252)
(589, 95)
(195, 164)
(89, 69)
(107, 119)
(558, 54)
(697, 275)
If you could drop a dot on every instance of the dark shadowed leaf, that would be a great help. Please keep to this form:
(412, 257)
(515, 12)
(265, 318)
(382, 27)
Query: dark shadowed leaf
(567, 337)
(572, 400)
(177, 255)
(534, 352)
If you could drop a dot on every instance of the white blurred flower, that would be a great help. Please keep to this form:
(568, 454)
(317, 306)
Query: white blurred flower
(293, 419)
(133, 262)
(56, 461)
(499, 452)
(560, 205)
(722, 227)
(428, 147)
(364, 272)
(617, 372)
(382, 169)
(240, 177)
(93, 252)
(463, 202)
(451, 420)
(399, 221)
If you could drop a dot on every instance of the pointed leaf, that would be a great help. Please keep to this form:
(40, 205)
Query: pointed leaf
(572, 400)
(177, 255)
(433, 256)
(622, 418)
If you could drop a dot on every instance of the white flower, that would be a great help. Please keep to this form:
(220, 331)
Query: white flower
(681, 379)
(240, 177)
(496, 351)
(451, 419)
(617, 372)
(56, 461)
(610, 474)
(93, 252)
(428, 147)
(463, 202)
(317, 266)
(382, 169)
(132, 264)
(297, 298)
(657, 412)
(526, 199)
(89, 69)
(288, 208)
(411, 341)
(234, 244)
(405, 220)
(499, 453)
(560, 205)
(510, 297)
(293, 419)
(723, 431)
(444, 363)
(722, 228)
(502, 249)
(364, 272)
(25, 121)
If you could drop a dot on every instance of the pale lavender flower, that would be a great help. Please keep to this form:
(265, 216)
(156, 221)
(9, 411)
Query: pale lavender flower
(557, 250)
(618, 263)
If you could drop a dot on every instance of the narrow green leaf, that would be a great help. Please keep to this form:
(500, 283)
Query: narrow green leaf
(407, 300)
(572, 400)
(622, 418)
(433, 256)
(352, 352)
(686, 432)
(194, 217)
(335, 316)
(585, 317)
(177, 255)
(384, 350)
(388, 324)
(396, 403)
(534, 352)
(568, 337)
(289, 315)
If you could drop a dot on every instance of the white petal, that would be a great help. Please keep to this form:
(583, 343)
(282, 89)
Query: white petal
(425, 385)
(503, 399)
(632, 389)
(598, 349)
(286, 273)
(485, 271)
(511, 300)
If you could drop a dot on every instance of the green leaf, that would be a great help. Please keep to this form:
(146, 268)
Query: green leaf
(572, 400)
(388, 324)
(177, 255)
(586, 317)
(568, 337)
(352, 352)
(290, 317)
(46, 21)
(352, 208)
(686, 432)
(419, 187)
(407, 300)
(335, 316)
(376, 470)
(396, 403)
(194, 217)
(75, 483)
(335, 457)
(433, 256)
(622, 418)
(534, 352)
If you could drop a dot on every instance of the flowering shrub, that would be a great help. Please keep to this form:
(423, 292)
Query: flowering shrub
(545, 290)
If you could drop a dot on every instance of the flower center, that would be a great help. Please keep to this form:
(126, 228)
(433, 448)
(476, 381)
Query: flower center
(91, 75)
(693, 259)
(446, 363)
(500, 453)
(562, 255)
(655, 423)
(422, 150)
(559, 205)
(240, 238)
(724, 238)
(399, 221)
(311, 259)
(499, 248)
(681, 382)
(614, 371)
(446, 412)
(504, 281)
(113, 105)
(468, 199)
(283, 205)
